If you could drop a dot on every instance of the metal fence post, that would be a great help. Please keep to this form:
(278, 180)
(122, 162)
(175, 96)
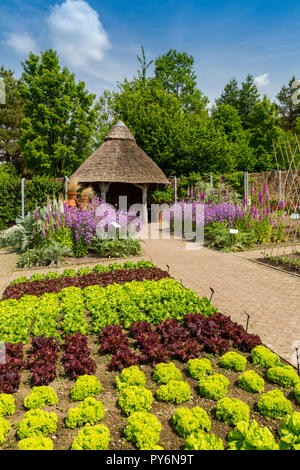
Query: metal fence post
(66, 186)
(23, 197)
(246, 186)
(211, 180)
(175, 182)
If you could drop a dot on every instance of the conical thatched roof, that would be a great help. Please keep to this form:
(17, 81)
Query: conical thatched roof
(119, 160)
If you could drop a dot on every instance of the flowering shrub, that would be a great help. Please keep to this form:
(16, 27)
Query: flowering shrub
(36, 443)
(92, 438)
(40, 396)
(214, 386)
(188, 420)
(264, 357)
(233, 361)
(232, 410)
(7, 404)
(283, 375)
(163, 373)
(250, 436)
(198, 368)
(200, 440)
(4, 429)
(130, 376)
(89, 411)
(251, 382)
(274, 404)
(85, 386)
(143, 430)
(37, 423)
(289, 432)
(175, 391)
(134, 398)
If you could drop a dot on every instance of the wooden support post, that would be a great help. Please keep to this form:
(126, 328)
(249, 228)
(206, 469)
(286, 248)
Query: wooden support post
(144, 188)
(104, 187)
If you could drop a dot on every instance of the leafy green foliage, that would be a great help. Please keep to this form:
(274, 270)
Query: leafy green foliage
(46, 317)
(36, 443)
(188, 420)
(262, 356)
(92, 438)
(89, 411)
(297, 393)
(130, 376)
(233, 361)
(200, 440)
(175, 391)
(289, 432)
(198, 368)
(274, 404)
(59, 121)
(41, 396)
(85, 386)
(135, 398)
(163, 373)
(117, 248)
(7, 404)
(214, 386)
(143, 429)
(283, 375)
(37, 423)
(73, 310)
(232, 411)
(4, 429)
(250, 436)
(251, 382)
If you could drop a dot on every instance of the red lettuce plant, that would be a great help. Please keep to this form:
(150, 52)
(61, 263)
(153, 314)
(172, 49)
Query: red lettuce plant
(76, 359)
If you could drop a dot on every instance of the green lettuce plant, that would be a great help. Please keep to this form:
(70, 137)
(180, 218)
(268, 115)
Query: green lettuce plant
(297, 393)
(130, 376)
(92, 438)
(4, 429)
(232, 411)
(289, 432)
(283, 375)
(186, 420)
(175, 391)
(37, 423)
(214, 386)
(262, 356)
(251, 382)
(7, 404)
(85, 386)
(40, 396)
(198, 368)
(36, 443)
(89, 411)
(133, 399)
(233, 361)
(200, 440)
(250, 436)
(274, 404)
(143, 430)
(163, 373)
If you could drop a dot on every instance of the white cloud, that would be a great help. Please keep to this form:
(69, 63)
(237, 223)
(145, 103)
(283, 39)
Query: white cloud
(21, 43)
(262, 80)
(77, 33)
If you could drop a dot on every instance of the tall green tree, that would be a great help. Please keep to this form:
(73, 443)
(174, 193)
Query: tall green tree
(11, 115)
(289, 110)
(175, 71)
(59, 120)
(230, 95)
(263, 131)
(248, 98)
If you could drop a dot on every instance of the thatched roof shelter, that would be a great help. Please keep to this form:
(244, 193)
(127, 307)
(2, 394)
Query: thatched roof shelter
(120, 160)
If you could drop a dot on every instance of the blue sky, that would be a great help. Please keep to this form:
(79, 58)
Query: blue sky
(99, 39)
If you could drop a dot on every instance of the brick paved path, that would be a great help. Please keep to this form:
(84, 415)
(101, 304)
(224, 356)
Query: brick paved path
(270, 297)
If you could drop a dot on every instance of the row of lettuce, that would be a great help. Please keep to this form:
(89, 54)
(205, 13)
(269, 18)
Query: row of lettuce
(143, 428)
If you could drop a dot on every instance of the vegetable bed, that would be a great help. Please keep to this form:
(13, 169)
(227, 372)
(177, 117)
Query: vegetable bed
(144, 364)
